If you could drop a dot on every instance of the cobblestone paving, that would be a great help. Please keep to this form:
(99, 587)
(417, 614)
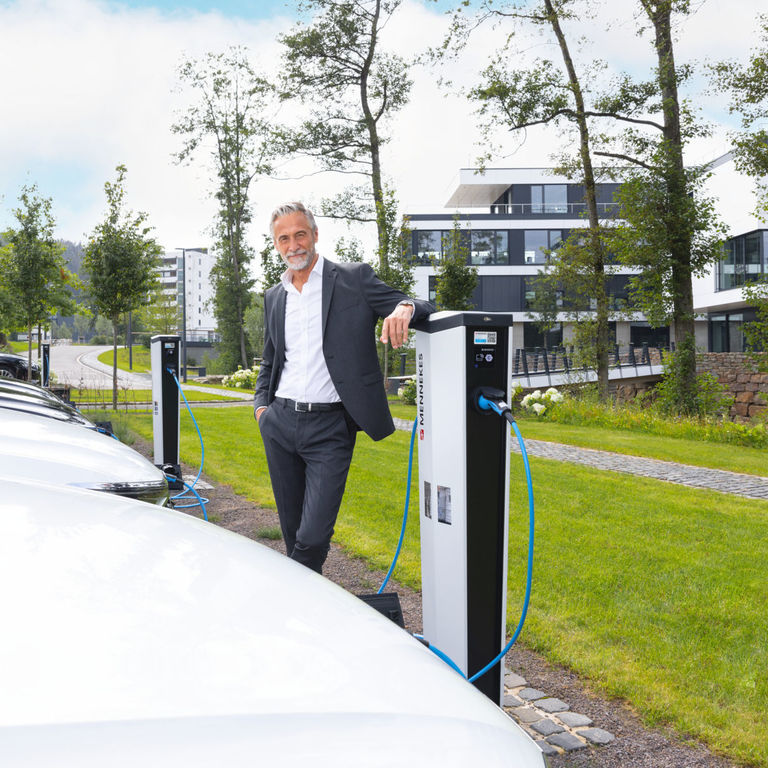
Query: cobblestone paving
(751, 486)
(549, 721)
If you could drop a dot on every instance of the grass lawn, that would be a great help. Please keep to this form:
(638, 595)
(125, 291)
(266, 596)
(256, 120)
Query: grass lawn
(735, 458)
(141, 359)
(654, 592)
(137, 396)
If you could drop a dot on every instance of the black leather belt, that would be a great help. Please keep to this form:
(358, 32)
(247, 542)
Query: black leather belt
(308, 407)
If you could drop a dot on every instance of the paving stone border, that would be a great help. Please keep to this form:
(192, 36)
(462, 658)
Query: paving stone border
(549, 720)
(750, 486)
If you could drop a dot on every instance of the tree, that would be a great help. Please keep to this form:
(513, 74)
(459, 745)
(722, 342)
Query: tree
(161, 312)
(272, 266)
(336, 65)
(748, 89)
(671, 230)
(455, 279)
(350, 251)
(554, 94)
(82, 323)
(120, 259)
(229, 115)
(254, 321)
(37, 280)
(394, 267)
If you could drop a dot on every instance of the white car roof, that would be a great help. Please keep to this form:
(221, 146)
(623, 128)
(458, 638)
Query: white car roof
(136, 635)
(35, 448)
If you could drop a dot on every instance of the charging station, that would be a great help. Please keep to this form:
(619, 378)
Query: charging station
(164, 356)
(464, 488)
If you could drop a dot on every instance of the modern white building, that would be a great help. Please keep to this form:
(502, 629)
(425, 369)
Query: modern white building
(186, 275)
(718, 294)
(509, 218)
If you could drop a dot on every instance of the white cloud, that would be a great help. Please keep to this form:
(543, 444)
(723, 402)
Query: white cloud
(91, 85)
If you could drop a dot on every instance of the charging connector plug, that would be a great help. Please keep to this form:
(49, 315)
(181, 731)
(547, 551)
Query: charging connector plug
(487, 400)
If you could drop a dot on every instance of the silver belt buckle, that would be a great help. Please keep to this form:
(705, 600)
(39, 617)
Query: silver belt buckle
(296, 407)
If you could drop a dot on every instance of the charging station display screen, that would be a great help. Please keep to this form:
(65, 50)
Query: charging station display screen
(485, 337)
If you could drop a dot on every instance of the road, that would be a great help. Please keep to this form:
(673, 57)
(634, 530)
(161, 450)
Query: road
(79, 367)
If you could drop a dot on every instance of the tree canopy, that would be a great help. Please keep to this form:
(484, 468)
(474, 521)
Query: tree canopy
(335, 65)
(120, 259)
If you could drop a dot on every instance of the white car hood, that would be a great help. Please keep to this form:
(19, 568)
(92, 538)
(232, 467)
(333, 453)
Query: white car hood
(36, 448)
(140, 636)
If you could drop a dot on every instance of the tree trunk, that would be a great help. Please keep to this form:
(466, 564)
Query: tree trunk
(114, 362)
(375, 144)
(596, 244)
(29, 351)
(679, 234)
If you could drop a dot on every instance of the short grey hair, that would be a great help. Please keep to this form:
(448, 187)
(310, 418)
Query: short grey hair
(287, 208)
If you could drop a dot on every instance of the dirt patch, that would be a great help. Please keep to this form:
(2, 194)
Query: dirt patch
(634, 747)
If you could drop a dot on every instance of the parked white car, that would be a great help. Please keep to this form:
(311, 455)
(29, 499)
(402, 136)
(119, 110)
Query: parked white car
(139, 636)
(34, 447)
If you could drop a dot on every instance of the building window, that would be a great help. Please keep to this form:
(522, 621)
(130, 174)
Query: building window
(489, 247)
(538, 242)
(745, 260)
(549, 198)
(726, 332)
(427, 245)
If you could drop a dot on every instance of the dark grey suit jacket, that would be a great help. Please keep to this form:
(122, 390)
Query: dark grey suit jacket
(353, 300)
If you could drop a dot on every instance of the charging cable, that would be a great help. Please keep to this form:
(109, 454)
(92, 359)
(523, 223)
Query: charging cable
(183, 496)
(405, 510)
(487, 399)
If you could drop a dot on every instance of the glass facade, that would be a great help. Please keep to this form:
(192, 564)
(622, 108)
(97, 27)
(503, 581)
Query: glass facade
(538, 242)
(549, 198)
(482, 246)
(489, 247)
(745, 260)
(726, 332)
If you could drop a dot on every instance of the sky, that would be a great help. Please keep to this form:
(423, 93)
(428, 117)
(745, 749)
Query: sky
(90, 84)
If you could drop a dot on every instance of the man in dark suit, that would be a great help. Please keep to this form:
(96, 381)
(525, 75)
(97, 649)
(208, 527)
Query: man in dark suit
(320, 380)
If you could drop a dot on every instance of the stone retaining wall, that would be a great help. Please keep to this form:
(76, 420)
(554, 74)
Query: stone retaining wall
(736, 371)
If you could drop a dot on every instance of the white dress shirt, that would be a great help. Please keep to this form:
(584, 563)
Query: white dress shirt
(305, 375)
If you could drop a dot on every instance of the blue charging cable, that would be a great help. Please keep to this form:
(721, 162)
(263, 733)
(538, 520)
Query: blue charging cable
(183, 496)
(503, 410)
(405, 510)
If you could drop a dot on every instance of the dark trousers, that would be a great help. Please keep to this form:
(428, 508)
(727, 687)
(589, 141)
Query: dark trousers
(308, 455)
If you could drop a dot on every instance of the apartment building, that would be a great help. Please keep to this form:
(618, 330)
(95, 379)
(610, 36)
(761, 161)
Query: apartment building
(509, 219)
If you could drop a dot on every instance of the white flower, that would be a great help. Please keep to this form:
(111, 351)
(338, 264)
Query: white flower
(557, 397)
(539, 408)
(526, 401)
(551, 391)
(536, 395)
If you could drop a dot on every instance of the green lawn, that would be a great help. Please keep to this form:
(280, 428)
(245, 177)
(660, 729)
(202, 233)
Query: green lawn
(734, 458)
(699, 453)
(136, 396)
(654, 592)
(140, 358)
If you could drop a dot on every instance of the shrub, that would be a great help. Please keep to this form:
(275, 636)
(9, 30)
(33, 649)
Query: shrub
(539, 402)
(407, 393)
(242, 378)
(646, 416)
(705, 397)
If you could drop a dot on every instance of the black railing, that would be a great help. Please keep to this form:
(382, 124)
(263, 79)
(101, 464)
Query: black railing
(551, 209)
(559, 360)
